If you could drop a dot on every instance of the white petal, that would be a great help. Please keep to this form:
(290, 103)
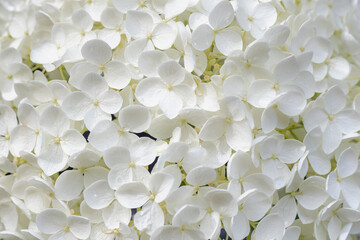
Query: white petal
(72, 141)
(94, 116)
(22, 139)
(264, 15)
(170, 104)
(228, 41)
(135, 48)
(201, 176)
(116, 214)
(202, 37)
(320, 162)
(124, 6)
(69, 185)
(161, 185)
(261, 93)
(312, 198)
(54, 121)
(347, 163)
(270, 227)
(116, 155)
(269, 119)
(149, 62)
(351, 191)
(104, 135)
(79, 226)
(94, 85)
(76, 105)
(292, 103)
(94, 174)
(52, 160)
(239, 164)
(291, 150)
(117, 75)
(51, 221)
(286, 69)
(339, 68)
(239, 136)
(44, 53)
(256, 206)
(223, 202)
(334, 227)
(132, 195)
(333, 187)
(96, 51)
(286, 208)
(139, 24)
(99, 195)
(348, 121)
(163, 36)
(331, 138)
(136, 118)
(315, 117)
(213, 129)
(171, 73)
(334, 100)
(221, 15)
(240, 226)
(110, 101)
(149, 91)
(321, 48)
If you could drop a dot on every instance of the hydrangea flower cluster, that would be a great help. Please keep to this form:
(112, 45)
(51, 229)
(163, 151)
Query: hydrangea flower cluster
(179, 119)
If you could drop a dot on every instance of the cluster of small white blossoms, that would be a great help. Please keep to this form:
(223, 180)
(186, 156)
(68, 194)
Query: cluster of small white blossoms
(179, 119)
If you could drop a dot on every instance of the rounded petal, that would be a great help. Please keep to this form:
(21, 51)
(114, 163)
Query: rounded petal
(76, 105)
(261, 93)
(149, 62)
(202, 37)
(79, 226)
(240, 226)
(163, 36)
(110, 101)
(170, 104)
(292, 103)
(332, 137)
(213, 129)
(22, 139)
(223, 202)
(73, 178)
(334, 100)
(270, 227)
(291, 151)
(348, 163)
(200, 176)
(52, 159)
(96, 51)
(171, 73)
(149, 91)
(104, 135)
(221, 15)
(339, 68)
(94, 85)
(228, 41)
(51, 221)
(161, 184)
(139, 24)
(54, 121)
(135, 118)
(116, 155)
(239, 136)
(72, 141)
(132, 194)
(99, 195)
(117, 75)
